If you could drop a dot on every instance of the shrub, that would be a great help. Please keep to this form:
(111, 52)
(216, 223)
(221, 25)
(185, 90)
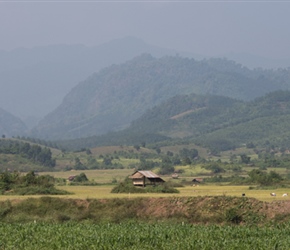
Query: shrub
(232, 216)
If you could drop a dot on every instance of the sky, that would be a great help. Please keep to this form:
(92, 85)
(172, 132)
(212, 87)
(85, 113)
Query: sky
(210, 28)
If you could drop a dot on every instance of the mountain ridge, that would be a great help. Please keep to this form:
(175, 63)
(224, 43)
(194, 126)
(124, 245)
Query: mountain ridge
(115, 96)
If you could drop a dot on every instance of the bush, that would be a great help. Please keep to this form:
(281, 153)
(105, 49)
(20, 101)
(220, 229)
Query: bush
(233, 216)
(30, 184)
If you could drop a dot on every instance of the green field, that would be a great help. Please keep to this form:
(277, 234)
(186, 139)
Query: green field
(133, 235)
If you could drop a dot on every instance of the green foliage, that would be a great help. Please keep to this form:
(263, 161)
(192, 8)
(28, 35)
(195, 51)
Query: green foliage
(35, 153)
(216, 122)
(132, 234)
(245, 159)
(166, 166)
(147, 164)
(14, 183)
(79, 165)
(81, 178)
(234, 179)
(263, 178)
(214, 167)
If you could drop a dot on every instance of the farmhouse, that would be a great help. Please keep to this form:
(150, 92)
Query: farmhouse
(175, 176)
(143, 178)
(71, 177)
(197, 180)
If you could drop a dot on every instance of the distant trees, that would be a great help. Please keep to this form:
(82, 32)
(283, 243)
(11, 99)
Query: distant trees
(245, 159)
(35, 153)
(214, 167)
(187, 156)
(264, 179)
(166, 166)
(30, 183)
(79, 165)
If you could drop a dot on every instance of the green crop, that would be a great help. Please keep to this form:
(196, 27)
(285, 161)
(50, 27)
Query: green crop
(135, 235)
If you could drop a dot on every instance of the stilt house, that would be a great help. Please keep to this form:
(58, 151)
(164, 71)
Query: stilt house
(143, 178)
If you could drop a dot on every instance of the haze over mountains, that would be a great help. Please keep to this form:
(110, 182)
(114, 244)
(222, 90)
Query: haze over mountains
(34, 81)
(112, 98)
(10, 125)
(127, 82)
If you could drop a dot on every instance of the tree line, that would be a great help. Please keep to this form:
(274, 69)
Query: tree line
(35, 153)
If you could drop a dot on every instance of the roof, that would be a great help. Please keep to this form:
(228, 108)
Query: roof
(147, 174)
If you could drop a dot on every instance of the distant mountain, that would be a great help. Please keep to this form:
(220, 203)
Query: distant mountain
(220, 122)
(37, 79)
(215, 122)
(10, 125)
(112, 98)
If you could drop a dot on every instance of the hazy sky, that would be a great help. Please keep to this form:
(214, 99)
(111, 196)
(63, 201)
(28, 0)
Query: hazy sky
(204, 27)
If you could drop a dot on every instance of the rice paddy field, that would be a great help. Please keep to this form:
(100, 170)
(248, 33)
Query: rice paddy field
(105, 179)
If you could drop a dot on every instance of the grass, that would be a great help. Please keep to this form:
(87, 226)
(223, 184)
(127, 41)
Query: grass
(103, 176)
(104, 192)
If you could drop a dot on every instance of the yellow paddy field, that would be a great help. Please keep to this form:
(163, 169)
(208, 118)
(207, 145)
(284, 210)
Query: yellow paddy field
(103, 190)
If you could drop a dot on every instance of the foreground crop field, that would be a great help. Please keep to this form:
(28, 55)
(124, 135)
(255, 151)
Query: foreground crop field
(133, 235)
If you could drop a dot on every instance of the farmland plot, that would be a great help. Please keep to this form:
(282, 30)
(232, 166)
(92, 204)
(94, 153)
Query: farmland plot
(134, 235)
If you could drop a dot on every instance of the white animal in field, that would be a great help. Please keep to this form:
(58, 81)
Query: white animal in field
(272, 194)
(284, 195)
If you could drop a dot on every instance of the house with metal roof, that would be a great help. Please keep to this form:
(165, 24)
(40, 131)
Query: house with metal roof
(143, 178)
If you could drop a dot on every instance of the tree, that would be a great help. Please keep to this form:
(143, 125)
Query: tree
(264, 179)
(214, 168)
(158, 150)
(186, 161)
(78, 164)
(81, 178)
(245, 159)
(188, 153)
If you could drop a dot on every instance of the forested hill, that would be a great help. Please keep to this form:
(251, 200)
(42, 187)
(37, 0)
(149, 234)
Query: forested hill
(219, 122)
(10, 125)
(215, 122)
(111, 99)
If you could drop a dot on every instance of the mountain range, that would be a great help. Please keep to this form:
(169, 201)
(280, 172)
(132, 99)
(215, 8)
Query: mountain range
(123, 84)
(214, 122)
(112, 98)
(35, 80)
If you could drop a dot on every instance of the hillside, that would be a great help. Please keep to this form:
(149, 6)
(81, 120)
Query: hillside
(19, 155)
(220, 122)
(112, 98)
(215, 122)
(10, 125)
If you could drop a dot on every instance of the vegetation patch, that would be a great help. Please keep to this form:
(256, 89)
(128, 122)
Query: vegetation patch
(201, 210)
(29, 184)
